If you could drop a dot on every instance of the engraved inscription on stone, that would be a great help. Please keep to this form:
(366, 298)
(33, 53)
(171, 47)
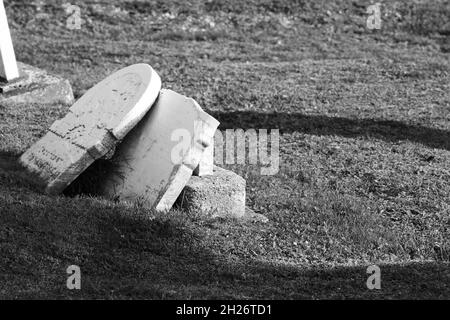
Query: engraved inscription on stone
(95, 124)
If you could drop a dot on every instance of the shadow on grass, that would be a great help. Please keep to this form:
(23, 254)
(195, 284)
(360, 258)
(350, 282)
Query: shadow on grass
(9, 161)
(391, 131)
(14, 175)
(126, 253)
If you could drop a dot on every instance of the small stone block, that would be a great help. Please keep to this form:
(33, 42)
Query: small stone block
(219, 195)
(35, 85)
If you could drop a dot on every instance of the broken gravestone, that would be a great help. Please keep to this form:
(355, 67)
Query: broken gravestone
(95, 124)
(21, 83)
(158, 157)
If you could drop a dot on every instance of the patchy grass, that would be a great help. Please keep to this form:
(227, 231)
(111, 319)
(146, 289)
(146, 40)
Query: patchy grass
(364, 179)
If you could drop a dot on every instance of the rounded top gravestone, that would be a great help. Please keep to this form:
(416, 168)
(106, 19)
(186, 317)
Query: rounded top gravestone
(94, 125)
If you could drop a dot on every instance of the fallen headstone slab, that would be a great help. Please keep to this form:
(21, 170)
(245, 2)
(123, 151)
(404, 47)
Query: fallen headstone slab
(156, 159)
(95, 124)
(221, 194)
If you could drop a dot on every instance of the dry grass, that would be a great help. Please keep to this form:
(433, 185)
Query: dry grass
(365, 152)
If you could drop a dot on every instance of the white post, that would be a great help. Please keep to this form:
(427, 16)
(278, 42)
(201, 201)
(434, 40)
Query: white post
(8, 64)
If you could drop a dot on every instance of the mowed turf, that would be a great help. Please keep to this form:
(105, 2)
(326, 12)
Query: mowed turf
(364, 120)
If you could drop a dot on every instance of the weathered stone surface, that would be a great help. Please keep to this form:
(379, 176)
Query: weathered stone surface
(95, 124)
(252, 216)
(8, 65)
(221, 194)
(36, 85)
(157, 158)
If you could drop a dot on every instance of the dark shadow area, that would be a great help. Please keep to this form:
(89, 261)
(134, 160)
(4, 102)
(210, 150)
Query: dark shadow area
(9, 161)
(125, 255)
(387, 130)
(90, 180)
(13, 175)
(118, 254)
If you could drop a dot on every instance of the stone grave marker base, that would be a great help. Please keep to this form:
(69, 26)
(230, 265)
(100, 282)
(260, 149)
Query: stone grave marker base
(219, 195)
(35, 85)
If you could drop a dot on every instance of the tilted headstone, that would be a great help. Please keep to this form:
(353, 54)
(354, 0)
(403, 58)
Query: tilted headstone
(8, 64)
(157, 158)
(95, 124)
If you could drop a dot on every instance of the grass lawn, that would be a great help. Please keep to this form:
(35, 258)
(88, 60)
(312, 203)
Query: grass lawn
(364, 120)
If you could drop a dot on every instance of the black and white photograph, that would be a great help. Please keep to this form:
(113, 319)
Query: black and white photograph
(248, 151)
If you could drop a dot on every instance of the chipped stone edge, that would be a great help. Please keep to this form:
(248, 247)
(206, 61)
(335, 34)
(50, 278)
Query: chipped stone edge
(184, 171)
(141, 107)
